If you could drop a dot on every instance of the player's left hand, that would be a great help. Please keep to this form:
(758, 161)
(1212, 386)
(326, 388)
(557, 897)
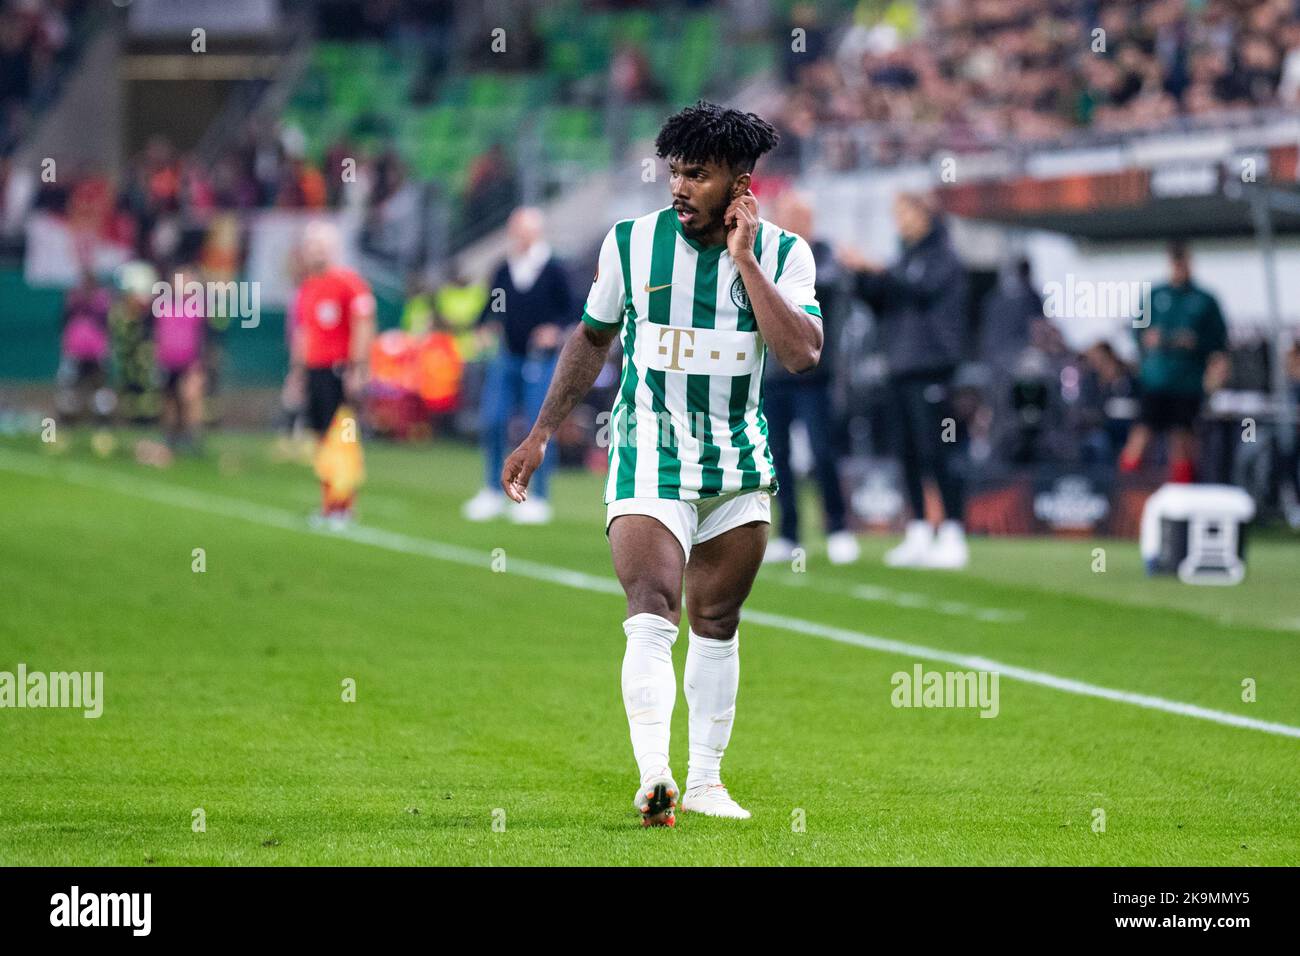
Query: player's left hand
(741, 221)
(519, 468)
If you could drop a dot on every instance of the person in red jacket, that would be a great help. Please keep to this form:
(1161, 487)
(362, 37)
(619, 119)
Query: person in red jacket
(334, 316)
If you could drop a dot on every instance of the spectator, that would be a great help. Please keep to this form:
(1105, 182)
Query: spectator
(83, 366)
(1108, 398)
(458, 303)
(492, 186)
(529, 308)
(180, 331)
(1182, 358)
(131, 329)
(921, 305)
(1008, 312)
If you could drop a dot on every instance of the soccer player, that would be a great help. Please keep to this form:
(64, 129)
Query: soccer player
(699, 291)
(335, 324)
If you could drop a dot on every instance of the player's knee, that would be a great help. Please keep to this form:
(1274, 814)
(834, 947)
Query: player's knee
(650, 599)
(720, 625)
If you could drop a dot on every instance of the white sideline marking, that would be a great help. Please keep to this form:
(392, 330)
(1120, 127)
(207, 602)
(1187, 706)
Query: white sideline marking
(910, 600)
(394, 541)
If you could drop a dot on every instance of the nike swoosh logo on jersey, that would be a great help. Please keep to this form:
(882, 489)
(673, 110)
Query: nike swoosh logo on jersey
(658, 287)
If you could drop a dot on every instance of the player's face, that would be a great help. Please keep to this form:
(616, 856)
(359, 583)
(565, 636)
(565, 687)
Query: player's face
(701, 194)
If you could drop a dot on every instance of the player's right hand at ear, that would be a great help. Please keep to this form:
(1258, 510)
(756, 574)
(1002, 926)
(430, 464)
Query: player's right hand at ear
(519, 468)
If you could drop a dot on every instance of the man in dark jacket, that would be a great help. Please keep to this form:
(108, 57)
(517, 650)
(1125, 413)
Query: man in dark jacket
(920, 303)
(1183, 349)
(530, 306)
(807, 397)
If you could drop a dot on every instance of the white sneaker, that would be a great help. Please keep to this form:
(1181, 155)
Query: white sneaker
(842, 548)
(712, 800)
(949, 549)
(779, 551)
(912, 553)
(531, 511)
(485, 505)
(656, 799)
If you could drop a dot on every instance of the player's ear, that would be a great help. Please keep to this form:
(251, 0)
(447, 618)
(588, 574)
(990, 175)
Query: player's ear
(741, 185)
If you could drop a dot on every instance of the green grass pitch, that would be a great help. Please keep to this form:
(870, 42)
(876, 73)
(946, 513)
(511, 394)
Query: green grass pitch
(488, 727)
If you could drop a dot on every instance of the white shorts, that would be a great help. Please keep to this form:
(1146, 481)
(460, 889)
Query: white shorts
(694, 522)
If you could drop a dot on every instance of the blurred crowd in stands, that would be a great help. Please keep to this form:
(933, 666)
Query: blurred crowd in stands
(35, 40)
(963, 74)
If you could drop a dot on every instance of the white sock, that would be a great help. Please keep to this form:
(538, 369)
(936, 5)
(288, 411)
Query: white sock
(649, 688)
(712, 678)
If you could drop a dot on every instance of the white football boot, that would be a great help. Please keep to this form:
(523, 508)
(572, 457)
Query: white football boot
(914, 550)
(656, 799)
(712, 800)
(779, 551)
(842, 548)
(949, 551)
(485, 505)
(531, 511)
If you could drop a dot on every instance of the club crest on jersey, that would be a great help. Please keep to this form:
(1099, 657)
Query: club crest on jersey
(739, 297)
(328, 314)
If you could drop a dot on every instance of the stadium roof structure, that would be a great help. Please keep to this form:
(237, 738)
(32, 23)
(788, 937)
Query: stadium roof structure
(1176, 199)
(1158, 185)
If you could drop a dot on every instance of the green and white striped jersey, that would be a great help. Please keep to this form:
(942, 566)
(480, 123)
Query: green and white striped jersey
(688, 419)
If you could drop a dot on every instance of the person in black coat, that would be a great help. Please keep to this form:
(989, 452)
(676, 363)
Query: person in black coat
(920, 303)
(806, 397)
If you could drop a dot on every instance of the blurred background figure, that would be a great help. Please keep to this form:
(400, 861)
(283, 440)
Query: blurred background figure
(529, 310)
(179, 340)
(335, 315)
(130, 322)
(921, 305)
(458, 303)
(806, 398)
(83, 365)
(1108, 407)
(1182, 358)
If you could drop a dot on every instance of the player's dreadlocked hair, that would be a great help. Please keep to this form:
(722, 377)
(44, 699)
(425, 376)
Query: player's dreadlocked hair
(707, 132)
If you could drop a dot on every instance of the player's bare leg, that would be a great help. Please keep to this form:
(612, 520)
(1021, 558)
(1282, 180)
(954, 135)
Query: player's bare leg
(719, 577)
(649, 562)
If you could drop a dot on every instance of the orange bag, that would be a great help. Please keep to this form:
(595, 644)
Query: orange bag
(394, 360)
(440, 369)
